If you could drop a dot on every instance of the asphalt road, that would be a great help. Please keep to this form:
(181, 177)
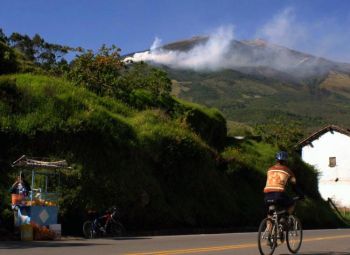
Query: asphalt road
(315, 242)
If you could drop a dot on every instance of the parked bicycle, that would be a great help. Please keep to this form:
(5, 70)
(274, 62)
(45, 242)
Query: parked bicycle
(280, 227)
(106, 225)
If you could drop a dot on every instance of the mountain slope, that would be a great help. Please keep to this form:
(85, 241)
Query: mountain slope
(338, 83)
(258, 81)
(253, 100)
(248, 56)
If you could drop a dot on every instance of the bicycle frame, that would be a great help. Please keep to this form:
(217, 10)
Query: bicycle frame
(109, 218)
(107, 224)
(273, 231)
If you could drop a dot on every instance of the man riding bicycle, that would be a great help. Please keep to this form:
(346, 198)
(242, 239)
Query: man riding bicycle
(278, 177)
(280, 224)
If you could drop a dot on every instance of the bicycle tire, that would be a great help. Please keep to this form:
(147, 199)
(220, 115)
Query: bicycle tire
(88, 230)
(294, 233)
(116, 229)
(268, 242)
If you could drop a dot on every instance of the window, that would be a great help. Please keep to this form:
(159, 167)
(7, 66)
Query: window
(332, 161)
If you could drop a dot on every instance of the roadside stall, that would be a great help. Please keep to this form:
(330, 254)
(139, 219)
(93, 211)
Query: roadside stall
(35, 197)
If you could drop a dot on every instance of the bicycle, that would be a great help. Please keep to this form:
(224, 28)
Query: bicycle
(108, 224)
(273, 231)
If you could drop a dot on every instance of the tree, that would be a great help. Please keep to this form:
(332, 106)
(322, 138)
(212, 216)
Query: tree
(24, 44)
(105, 73)
(142, 76)
(43, 54)
(3, 37)
(8, 60)
(98, 72)
(284, 134)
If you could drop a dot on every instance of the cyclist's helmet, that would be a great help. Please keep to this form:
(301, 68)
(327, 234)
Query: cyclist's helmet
(282, 156)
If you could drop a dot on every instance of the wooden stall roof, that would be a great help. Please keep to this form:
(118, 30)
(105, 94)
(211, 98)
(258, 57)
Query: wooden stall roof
(24, 161)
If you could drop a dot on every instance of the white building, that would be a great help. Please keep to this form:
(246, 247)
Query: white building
(328, 150)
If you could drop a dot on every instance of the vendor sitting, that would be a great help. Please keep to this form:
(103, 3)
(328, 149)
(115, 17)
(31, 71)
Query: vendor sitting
(20, 189)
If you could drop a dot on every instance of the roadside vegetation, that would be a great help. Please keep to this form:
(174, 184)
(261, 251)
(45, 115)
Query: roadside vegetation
(167, 163)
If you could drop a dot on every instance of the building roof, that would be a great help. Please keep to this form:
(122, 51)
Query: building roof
(322, 131)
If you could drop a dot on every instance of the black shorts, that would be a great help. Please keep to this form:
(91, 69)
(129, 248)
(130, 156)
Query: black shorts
(279, 198)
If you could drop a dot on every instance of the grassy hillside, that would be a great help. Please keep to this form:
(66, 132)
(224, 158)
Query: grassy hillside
(159, 164)
(150, 162)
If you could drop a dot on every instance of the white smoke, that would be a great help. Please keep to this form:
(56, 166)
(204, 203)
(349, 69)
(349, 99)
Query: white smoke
(326, 37)
(207, 56)
(284, 29)
(220, 51)
(156, 44)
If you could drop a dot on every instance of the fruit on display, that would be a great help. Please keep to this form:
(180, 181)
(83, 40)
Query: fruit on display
(42, 232)
(40, 202)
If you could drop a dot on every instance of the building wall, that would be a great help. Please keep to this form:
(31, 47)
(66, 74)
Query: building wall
(334, 182)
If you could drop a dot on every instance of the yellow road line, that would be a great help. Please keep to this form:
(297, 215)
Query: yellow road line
(326, 238)
(195, 250)
(227, 247)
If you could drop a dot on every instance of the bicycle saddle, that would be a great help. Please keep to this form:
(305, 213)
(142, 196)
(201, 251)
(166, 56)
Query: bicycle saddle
(273, 207)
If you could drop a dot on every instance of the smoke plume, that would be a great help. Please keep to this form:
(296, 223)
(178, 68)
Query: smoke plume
(210, 55)
(220, 50)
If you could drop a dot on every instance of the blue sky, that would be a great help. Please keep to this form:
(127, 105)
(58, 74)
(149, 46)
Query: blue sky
(315, 26)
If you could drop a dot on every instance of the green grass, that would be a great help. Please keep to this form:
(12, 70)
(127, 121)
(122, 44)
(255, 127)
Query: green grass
(238, 129)
(159, 163)
(252, 154)
(118, 152)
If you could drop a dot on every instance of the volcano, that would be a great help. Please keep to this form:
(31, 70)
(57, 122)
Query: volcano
(254, 81)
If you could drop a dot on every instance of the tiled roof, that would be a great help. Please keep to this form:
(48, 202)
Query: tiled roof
(322, 131)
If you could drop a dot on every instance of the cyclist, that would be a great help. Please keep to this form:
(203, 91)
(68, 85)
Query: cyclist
(278, 177)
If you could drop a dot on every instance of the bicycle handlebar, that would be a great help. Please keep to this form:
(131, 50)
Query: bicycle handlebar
(298, 198)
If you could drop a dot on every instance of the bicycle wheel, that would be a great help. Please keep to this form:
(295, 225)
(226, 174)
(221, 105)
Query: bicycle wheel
(294, 234)
(116, 228)
(267, 237)
(88, 230)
